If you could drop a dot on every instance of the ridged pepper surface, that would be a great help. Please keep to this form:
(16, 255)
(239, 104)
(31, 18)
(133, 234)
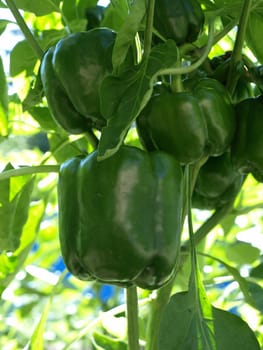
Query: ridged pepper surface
(247, 147)
(120, 218)
(190, 124)
(71, 73)
(179, 20)
(217, 184)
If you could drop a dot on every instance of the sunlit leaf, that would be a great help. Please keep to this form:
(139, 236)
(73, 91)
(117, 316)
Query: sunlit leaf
(39, 8)
(15, 197)
(123, 97)
(22, 58)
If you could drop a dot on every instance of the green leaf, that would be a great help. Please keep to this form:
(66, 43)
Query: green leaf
(242, 253)
(10, 264)
(126, 35)
(37, 339)
(83, 5)
(39, 8)
(179, 329)
(3, 24)
(62, 148)
(257, 271)
(3, 102)
(243, 284)
(253, 33)
(123, 97)
(22, 58)
(257, 294)
(232, 332)
(43, 117)
(15, 196)
(103, 342)
(34, 95)
(115, 14)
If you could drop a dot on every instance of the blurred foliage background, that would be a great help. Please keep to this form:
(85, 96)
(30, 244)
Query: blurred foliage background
(42, 305)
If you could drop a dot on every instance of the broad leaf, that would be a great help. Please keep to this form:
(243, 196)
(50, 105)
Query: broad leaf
(115, 15)
(180, 329)
(124, 96)
(15, 197)
(22, 58)
(127, 32)
(39, 8)
(254, 34)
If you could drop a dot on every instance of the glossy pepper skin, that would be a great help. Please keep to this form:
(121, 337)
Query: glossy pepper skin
(71, 74)
(221, 67)
(119, 219)
(217, 184)
(179, 20)
(247, 148)
(191, 124)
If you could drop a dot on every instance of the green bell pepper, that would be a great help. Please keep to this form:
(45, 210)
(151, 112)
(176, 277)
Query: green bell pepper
(221, 66)
(189, 125)
(247, 148)
(217, 183)
(71, 74)
(120, 219)
(179, 20)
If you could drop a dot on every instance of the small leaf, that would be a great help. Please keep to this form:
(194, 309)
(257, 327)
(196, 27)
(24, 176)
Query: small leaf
(22, 58)
(3, 102)
(124, 96)
(127, 32)
(10, 264)
(43, 117)
(103, 342)
(3, 24)
(15, 199)
(37, 339)
(242, 253)
(34, 95)
(115, 15)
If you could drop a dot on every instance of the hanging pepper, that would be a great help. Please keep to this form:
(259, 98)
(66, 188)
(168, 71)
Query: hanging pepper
(217, 184)
(71, 74)
(179, 20)
(190, 124)
(247, 146)
(120, 218)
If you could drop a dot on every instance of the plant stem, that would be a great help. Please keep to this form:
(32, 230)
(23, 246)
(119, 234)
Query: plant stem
(24, 28)
(156, 308)
(132, 318)
(238, 47)
(29, 170)
(196, 64)
(149, 28)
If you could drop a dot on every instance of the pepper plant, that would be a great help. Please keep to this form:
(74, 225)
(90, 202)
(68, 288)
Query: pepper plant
(144, 119)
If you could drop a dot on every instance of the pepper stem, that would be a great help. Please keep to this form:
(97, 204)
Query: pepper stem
(132, 318)
(238, 47)
(149, 27)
